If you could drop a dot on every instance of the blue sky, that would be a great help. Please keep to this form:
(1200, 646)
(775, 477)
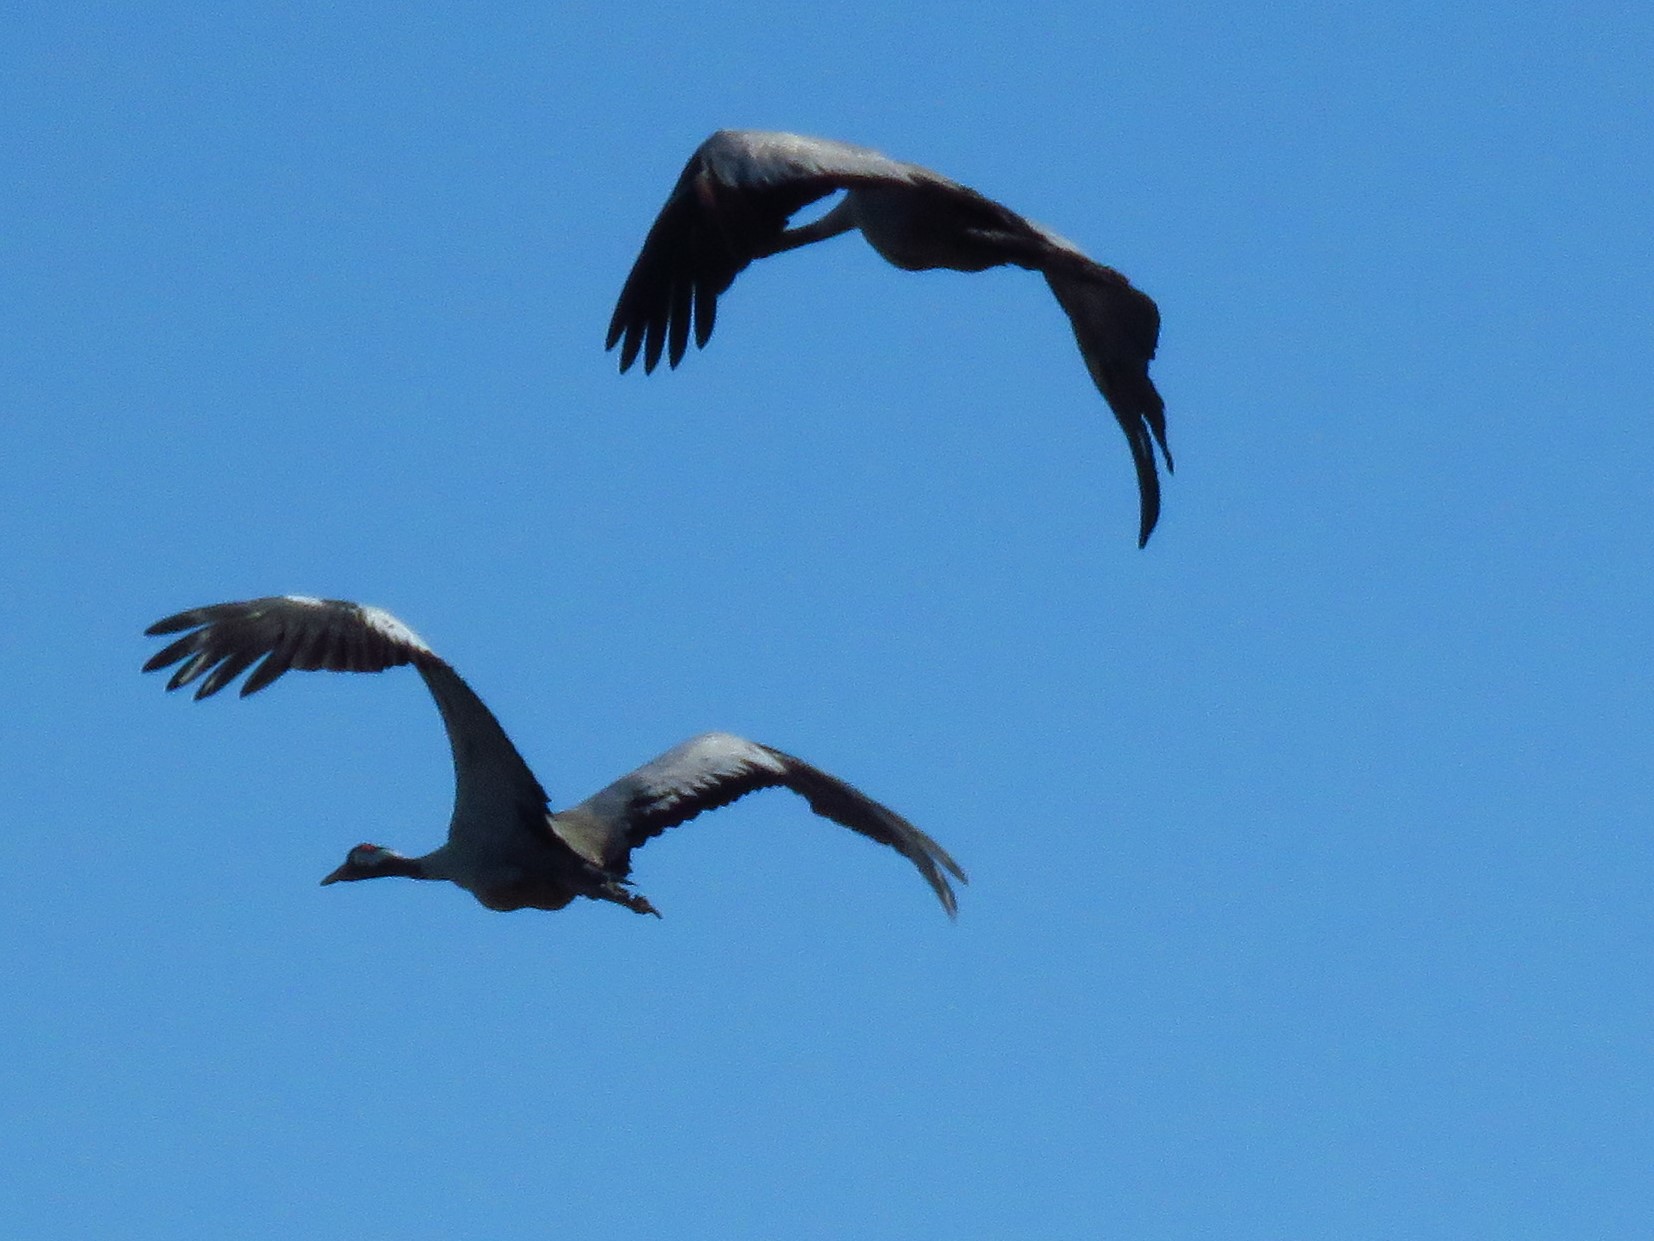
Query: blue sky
(1309, 848)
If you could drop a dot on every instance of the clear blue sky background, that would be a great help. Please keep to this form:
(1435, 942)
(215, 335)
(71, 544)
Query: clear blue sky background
(1310, 848)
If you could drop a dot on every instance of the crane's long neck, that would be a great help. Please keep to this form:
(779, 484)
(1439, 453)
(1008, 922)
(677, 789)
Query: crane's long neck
(389, 863)
(376, 862)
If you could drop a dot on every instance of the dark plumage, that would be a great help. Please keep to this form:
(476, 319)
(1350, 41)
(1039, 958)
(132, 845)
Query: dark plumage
(504, 845)
(731, 206)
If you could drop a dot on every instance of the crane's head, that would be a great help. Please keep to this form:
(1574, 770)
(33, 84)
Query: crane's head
(373, 862)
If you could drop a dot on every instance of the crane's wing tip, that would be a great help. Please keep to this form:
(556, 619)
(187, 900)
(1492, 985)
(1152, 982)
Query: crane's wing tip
(939, 883)
(1147, 526)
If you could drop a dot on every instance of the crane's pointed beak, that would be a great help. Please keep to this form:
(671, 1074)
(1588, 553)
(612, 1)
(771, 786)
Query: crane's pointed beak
(335, 876)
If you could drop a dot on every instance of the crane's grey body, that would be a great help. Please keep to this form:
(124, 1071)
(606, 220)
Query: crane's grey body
(732, 203)
(504, 845)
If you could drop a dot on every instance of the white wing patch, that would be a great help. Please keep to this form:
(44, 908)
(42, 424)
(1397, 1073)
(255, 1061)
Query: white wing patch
(395, 630)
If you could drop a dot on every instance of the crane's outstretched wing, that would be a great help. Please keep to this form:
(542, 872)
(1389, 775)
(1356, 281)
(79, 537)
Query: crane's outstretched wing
(1117, 328)
(713, 770)
(288, 631)
(296, 632)
(729, 207)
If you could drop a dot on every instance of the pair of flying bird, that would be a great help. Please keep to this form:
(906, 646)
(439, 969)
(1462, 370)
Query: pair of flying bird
(731, 206)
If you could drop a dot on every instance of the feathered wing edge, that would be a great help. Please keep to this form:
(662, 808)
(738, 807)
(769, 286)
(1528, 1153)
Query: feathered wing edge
(832, 798)
(729, 206)
(678, 274)
(294, 632)
(289, 632)
(715, 769)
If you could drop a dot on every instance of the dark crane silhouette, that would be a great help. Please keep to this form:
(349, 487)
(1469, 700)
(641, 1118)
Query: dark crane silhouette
(504, 845)
(732, 204)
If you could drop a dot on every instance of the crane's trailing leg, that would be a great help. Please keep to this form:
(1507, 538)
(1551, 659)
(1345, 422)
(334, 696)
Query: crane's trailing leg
(841, 219)
(620, 896)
